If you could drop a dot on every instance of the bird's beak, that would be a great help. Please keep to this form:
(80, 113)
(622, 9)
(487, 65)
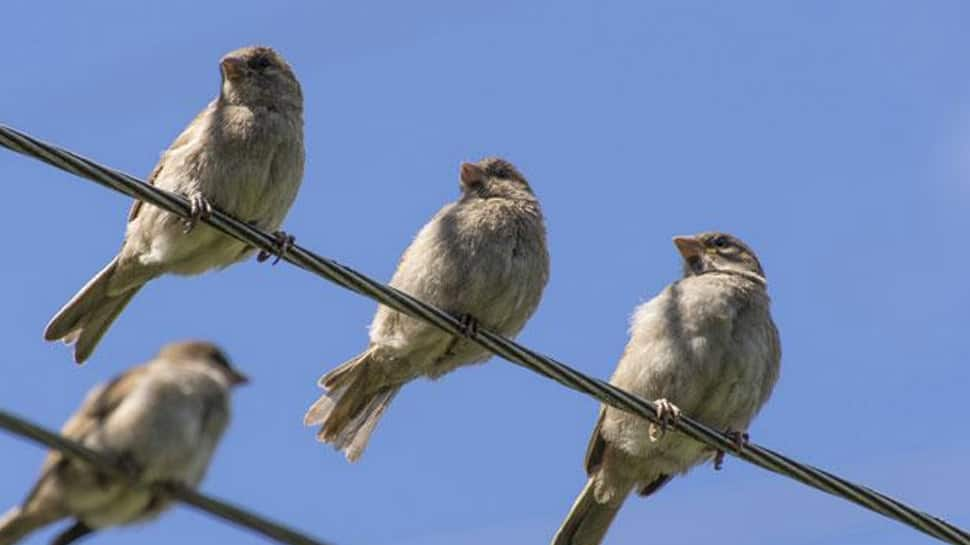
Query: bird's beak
(471, 175)
(232, 67)
(237, 379)
(689, 247)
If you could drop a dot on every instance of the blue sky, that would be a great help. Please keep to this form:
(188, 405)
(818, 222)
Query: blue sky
(834, 137)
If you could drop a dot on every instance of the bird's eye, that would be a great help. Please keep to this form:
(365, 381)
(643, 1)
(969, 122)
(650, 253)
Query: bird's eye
(220, 359)
(259, 63)
(721, 242)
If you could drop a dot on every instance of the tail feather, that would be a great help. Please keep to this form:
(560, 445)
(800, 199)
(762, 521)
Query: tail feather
(350, 410)
(17, 523)
(89, 314)
(98, 323)
(355, 436)
(344, 372)
(589, 519)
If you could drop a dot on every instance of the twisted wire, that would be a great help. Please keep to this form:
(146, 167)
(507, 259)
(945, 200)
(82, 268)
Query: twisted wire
(511, 351)
(182, 493)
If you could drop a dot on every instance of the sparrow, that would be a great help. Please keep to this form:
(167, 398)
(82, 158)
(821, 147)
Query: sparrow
(483, 259)
(243, 154)
(160, 420)
(707, 346)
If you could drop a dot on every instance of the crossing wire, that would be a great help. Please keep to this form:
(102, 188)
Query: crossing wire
(550, 368)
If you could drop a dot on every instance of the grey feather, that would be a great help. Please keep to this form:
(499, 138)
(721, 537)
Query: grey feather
(243, 154)
(165, 418)
(588, 520)
(483, 256)
(708, 345)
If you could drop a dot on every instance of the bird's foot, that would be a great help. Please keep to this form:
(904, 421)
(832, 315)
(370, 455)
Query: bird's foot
(166, 490)
(284, 242)
(740, 439)
(667, 415)
(467, 328)
(126, 464)
(199, 209)
(468, 325)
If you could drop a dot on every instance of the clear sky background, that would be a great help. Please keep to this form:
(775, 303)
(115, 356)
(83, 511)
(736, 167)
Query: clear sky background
(834, 137)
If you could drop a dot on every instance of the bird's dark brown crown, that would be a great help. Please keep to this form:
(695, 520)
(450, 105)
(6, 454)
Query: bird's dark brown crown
(195, 350)
(496, 167)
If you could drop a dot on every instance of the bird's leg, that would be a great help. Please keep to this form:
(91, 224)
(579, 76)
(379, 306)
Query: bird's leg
(740, 439)
(164, 491)
(199, 208)
(72, 534)
(667, 415)
(284, 242)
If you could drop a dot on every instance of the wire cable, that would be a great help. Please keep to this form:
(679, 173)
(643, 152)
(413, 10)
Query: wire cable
(104, 464)
(513, 352)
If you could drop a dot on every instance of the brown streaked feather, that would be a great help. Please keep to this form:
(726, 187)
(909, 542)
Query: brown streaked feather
(180, 141)
(99, 403)
(136, 206)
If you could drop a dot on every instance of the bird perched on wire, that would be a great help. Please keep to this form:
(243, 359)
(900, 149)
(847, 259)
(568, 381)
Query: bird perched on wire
(161, 421)
(706, 345)
(243, 155)
(483, 259)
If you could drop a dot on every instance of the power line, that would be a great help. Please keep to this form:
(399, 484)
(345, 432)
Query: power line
(179, 491)
(515, 353)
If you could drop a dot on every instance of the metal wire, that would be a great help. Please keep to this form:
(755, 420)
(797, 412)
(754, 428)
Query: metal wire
(186, 495)
(513, 352)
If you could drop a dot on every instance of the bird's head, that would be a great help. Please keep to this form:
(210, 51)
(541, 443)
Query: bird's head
(718, 252)
(258, 75)
(493, 178)
(188, 353)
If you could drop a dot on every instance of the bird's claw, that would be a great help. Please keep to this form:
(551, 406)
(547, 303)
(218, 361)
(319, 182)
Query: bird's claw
(468, 325)
(126, 464)
(284, 242)
(667, 415)
(467, 328)
(740, 438)
(199, 208)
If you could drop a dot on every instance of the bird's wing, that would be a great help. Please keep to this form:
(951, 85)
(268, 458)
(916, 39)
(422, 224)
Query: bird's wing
(102, 401)
(182, 140)
(594, 452)
(98, 404)
(136, 206)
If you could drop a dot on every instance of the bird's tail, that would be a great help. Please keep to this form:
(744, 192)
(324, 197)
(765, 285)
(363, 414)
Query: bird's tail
(590, 518)
(17, 523)
(89, 314)
(348, 413)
